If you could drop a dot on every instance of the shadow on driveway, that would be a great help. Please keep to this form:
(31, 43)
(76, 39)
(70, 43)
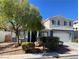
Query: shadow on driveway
(61, 49)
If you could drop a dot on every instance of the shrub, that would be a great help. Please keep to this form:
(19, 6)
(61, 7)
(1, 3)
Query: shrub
(27, 46)
(43, 39)
(50, 42)
(27, 43)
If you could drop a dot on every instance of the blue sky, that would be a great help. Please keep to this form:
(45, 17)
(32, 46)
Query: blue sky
(66, 8)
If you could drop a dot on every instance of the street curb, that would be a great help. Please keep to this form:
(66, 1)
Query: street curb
(56, 55)
(68, 55)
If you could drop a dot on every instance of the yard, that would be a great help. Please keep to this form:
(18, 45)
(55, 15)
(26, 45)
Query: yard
(9, 49)
(17, 53)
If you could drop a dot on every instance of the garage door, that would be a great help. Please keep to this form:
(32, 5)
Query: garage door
(64, 36)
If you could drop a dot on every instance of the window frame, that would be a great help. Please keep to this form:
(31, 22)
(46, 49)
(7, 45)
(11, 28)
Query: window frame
(58, 22)
(53, 22)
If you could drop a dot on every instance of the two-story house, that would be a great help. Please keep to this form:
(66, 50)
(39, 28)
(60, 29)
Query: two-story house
(58, 26)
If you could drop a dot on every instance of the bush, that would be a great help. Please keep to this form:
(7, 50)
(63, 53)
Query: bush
(44, 39)
(27, 43)
(50, 42)
(27, 46)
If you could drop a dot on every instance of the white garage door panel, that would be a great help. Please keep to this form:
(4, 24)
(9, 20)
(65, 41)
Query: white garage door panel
(64, 36)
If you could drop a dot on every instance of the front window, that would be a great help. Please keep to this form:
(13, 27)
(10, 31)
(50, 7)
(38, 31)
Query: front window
(65, 23)
(53, 22)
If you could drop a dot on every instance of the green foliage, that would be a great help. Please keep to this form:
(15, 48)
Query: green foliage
(10, 7)
(3, 23)
(27, 45)
(21, 15)
(34, 21)
(6, 8)
(14, 10)
(43, 39)
(50, 42)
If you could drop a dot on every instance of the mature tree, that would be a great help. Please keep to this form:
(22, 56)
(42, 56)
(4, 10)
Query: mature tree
(23, 23)
(21, 15)
(31, 21)
(14, 10)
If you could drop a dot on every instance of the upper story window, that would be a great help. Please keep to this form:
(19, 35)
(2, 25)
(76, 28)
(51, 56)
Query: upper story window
(65, 23)
(70, 24)
(53, 22)
(58, 22)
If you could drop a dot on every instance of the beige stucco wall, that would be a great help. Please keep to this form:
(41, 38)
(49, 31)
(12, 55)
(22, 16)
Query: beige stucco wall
(47, 24)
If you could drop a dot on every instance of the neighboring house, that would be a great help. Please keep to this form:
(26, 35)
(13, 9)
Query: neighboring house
(75, 25)
(58, 26)
(75, 28)
(4, 35)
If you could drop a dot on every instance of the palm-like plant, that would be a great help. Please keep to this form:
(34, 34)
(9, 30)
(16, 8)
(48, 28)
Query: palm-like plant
(34, 21)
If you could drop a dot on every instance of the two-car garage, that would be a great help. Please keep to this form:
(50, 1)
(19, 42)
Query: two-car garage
(64, 36)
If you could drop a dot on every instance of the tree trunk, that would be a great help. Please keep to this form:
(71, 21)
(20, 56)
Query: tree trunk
(24, 35)
(30, 36)
(17, 36)
(37, 34)
(27, 36)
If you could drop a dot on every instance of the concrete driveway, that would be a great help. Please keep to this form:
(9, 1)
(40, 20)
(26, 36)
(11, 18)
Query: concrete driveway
(72, 45)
